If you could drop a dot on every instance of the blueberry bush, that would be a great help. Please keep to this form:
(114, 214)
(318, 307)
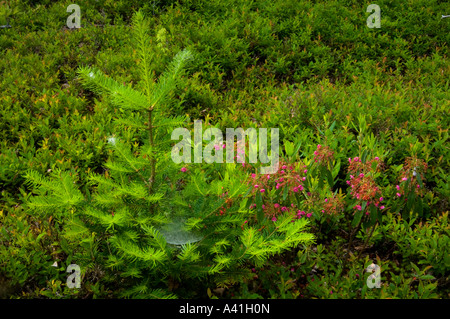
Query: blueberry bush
(87, 178)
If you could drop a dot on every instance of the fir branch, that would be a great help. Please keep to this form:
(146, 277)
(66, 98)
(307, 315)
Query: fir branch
(167, 81)
(60, 185)
(140, 29)
(109, 220)
(133, 252)
(122, 96)
(171, 122)
(156, 235)
(189, 253)
(131, 121)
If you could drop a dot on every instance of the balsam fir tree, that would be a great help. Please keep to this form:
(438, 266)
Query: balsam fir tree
(147, 231)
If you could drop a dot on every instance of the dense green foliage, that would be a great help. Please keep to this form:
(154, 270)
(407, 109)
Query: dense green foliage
(85, 176)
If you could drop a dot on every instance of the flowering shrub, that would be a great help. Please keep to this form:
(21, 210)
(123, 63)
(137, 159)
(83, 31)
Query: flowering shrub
(362, 183)
(334, 205)
(323, 155)
(274, 194)
(411, 187)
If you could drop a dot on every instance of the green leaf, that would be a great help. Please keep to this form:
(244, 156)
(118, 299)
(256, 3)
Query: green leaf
(329, 178)
(289, 148)
(363, 206)
(357, 218)
(259, 210)
(336, 169)
(427, 277)
(419, 179)
(373, 216)
(418, 207)
(332, 126)
(285, 192)
(364, 156)
(416, 269)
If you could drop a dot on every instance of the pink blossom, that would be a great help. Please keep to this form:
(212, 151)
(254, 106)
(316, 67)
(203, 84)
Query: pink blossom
(262, 190)
(304, 178)
(305, 171)
(377, 158)
(398, 187)
(183, 169)
(283, 167)
(278, 186)
(295, 189)
(358, 207)
(381, 207)
(276, 205)
(274, 219)
(398, 194)
(381, 199)
(284, 208)
(253, 175)
(256, 186)
(309, 215)
(404, 179)
(326, 200)
(319, 146)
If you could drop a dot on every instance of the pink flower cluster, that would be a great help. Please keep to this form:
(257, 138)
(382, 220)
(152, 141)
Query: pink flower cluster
(285, 177)
(240, 153)
(323, 155)
(300, 214)
(412, 169)
(362, 183)
(333, 205)
(272, 211)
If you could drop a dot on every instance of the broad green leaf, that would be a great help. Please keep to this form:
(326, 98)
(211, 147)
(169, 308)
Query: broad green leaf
(357, 218)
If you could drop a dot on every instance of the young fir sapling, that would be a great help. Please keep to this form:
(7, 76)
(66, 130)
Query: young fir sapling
(135, 223)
